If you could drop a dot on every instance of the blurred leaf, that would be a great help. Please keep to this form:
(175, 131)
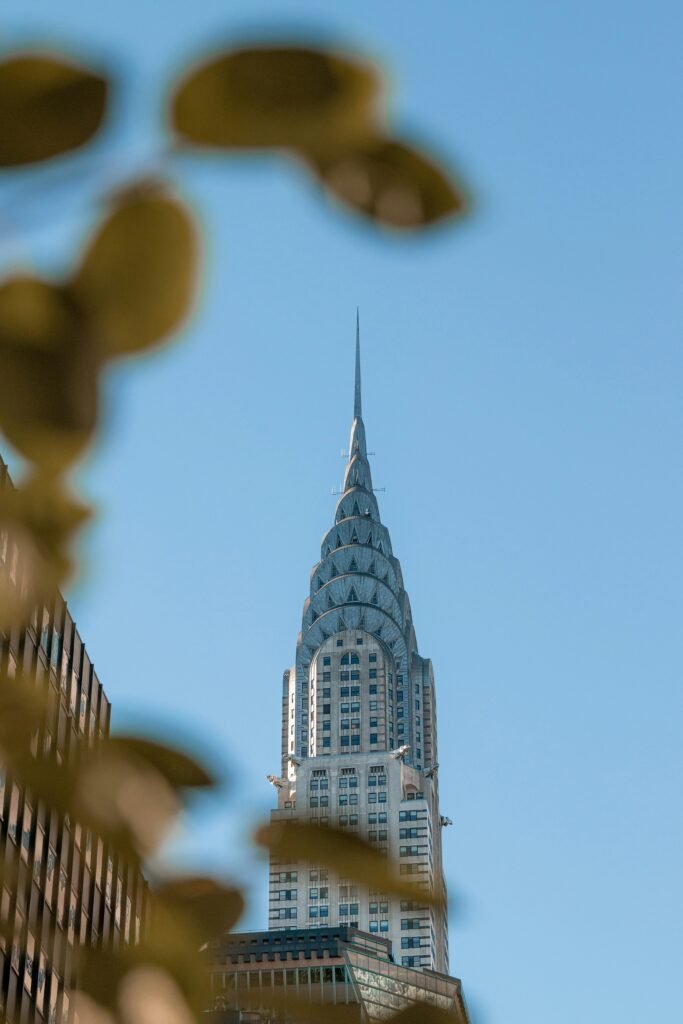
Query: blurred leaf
(345, 853)
(22, 712)
(209, 908)
(390, 183)
(126, 801)
(41, 519)
(138, 276)
(48, 372)
(163, 978)
(47, 107)
(177, 767)
(277, 97)
(150, 994)
(128, 789)
(425, 1013)
(290, 1007)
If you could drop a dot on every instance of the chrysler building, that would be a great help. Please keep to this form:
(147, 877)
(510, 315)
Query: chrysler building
(359, 744)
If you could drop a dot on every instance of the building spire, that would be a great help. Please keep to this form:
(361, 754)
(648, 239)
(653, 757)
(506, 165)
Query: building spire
(357, 409)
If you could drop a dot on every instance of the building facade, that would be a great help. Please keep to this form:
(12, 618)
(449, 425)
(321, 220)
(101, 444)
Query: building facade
(337, 966)
(359, 739)
(71, 888)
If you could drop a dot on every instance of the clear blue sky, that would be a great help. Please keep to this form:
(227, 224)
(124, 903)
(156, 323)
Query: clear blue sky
(523, 376)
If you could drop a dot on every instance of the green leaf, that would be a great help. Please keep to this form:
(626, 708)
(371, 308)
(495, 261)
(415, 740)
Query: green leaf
(47, 106)
(202, 904)
(138, 276)
(345, 853)
(277, 97)
(389, 183)
(48, 372)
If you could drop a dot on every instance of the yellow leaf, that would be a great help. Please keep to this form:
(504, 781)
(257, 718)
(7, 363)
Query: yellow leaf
(425, 1013)
(138, 276)
(47, 106)
(277, 97)
(345, 853)
(203, 904)
(177, 767)
(290, 1007)
(48, 372)
(163, 973)
(390, 183)
(41, 519)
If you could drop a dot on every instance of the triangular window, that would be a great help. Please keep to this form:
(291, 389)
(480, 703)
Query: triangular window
(353, 567)
(353, 596)
(372, 570)
(342, 623)
(330, 602)
(356, 510)
(378, 631)
(339, 543)
(318, 583)
(334, 571)
(374, 598)
(354, 537)
(380, 548)
(314, 616)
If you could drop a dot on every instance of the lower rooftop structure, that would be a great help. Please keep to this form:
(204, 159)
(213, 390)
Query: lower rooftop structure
(255, 974)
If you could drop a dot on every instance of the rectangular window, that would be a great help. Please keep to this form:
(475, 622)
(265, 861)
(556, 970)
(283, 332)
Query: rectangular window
(373, 673)
(343, 691)
(373, 688)
(327, 742)
(327, 677)
(372, 657)
(344, 741)
(373, 737)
